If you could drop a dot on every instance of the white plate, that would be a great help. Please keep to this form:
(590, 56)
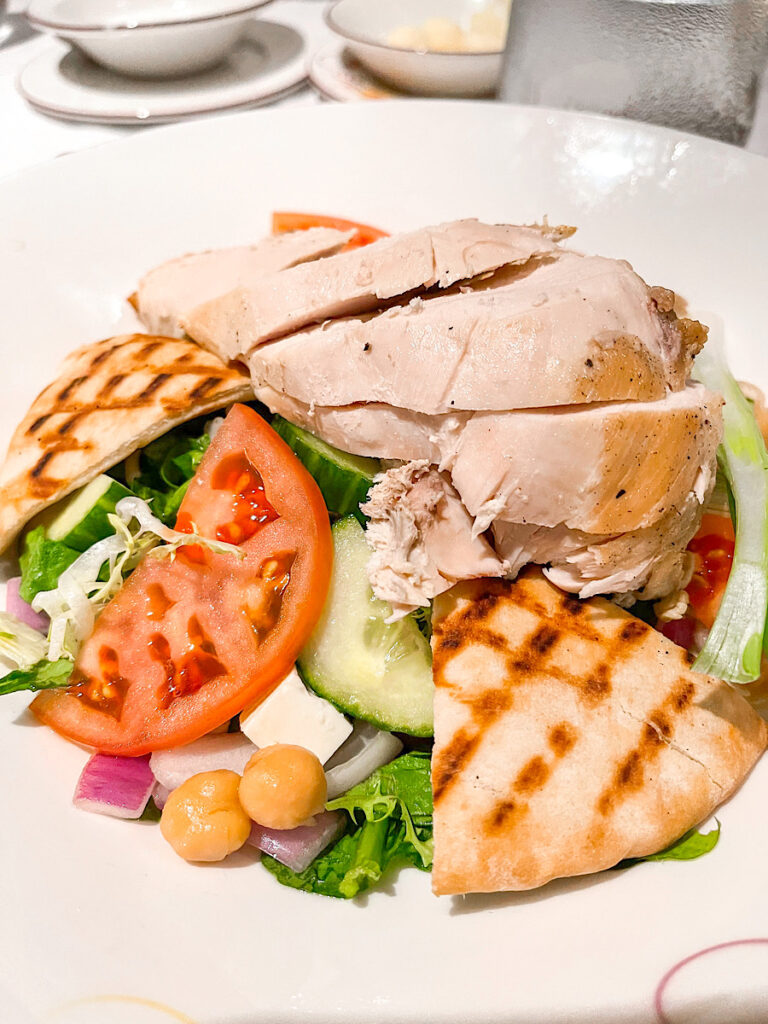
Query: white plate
(99, 909)
(267, 63)
(337, 75)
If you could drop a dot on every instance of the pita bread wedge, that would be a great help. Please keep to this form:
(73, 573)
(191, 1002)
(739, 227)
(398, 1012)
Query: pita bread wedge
(568, 736)
(109, 399)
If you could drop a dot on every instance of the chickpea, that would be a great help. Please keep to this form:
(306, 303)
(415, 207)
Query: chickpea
(282, 786)
(202, 818)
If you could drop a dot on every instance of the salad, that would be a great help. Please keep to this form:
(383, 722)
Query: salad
(228, 616)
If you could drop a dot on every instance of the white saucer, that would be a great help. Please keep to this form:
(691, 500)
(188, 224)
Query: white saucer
(268, 62)
(337, 75)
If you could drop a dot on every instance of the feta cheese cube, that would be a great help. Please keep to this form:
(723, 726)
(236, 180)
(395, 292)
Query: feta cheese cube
(293, 714)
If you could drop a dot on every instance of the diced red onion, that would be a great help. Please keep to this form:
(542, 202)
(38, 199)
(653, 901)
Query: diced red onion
(367, 749)
(298, 847)
(120, 786)
(208, 754)
(688, 633)
(680, 632)
(16, 605)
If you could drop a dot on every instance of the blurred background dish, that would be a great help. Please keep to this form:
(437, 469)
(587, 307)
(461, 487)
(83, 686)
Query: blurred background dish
(266, 64)
(336, 74)
(147, 38)
(429, 47)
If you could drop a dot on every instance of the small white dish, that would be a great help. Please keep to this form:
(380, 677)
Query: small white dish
(336, 74)
(268, 62)
(144, 38)
(365, 26)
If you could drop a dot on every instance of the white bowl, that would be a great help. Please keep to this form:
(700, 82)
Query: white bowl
(147, 38)
(365, 26)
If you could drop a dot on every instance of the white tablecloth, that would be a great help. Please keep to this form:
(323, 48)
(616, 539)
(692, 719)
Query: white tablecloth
(27, 137)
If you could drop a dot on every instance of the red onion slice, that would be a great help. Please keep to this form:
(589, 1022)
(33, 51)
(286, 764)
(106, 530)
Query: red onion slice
(119, 786)
(16, 605)
(298, 847)
(208, 754)
(367, 749)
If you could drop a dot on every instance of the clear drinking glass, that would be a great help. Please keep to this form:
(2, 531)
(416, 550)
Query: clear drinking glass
(695, 65)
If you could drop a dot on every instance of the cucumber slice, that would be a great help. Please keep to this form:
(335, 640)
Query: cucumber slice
(343, 479)
(378, 672)
(81, 519)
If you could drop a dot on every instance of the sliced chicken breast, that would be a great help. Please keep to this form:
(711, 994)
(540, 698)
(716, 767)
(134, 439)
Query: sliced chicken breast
(421, 538)
(373, 429)
(647, 563)
(600, 468)
(359, 281)
(172, 290)
(573, 330)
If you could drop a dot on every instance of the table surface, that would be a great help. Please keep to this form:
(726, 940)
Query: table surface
(28, 137)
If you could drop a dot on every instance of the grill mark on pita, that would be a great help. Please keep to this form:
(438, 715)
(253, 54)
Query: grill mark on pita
(490, 704)
(450, 639)
(528, 657)
(104, 354)
(67, 425)
(597, 685)
(39, 422)
(111, 384)
(449, 763)
(629, 775)
(503, 815)
(532, 776)
(73, 385)
(41, 463)
(204, 386)
(561, 738)
(154, 384)
(148, 349)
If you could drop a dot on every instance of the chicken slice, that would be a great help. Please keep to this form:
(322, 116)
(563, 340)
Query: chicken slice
(373, 429)
(602, 468)
(577, 329)
(359, 281)
(647, 563)
(421, 538)
(172, 290)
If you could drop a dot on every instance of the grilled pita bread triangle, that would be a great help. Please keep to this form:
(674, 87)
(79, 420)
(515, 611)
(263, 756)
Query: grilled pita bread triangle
(568, 736)
(109, 399)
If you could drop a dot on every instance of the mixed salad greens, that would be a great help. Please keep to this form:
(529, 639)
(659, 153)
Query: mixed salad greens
(94, 541)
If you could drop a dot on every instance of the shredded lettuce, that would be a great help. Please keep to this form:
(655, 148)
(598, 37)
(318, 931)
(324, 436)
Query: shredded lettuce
(20, 643)
(734, 646)
(93, 579)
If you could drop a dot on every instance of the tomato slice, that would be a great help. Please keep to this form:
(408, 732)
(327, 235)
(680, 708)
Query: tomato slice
(713, 549)
(190, 641)
(364, 234)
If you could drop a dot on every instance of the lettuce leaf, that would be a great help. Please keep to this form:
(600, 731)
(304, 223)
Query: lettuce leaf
(165, 468)
(690, 846)
(45, 675)
(42, 561)
(390, 824)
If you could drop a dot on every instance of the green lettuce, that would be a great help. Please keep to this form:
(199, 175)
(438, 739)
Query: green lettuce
(165, 468)
(390, 824)
(42, 561)
(45, 675)
(692, 845)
